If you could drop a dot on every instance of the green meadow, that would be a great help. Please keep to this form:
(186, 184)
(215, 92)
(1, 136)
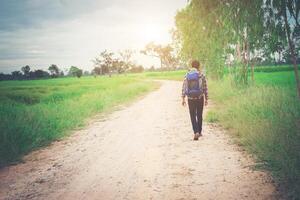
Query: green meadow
(34, 113)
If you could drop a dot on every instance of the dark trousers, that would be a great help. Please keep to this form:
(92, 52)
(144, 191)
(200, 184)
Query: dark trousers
(196, 110)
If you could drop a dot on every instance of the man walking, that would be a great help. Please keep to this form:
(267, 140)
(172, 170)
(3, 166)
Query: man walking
(195, 88)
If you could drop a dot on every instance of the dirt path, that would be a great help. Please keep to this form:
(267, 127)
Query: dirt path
(144, 151)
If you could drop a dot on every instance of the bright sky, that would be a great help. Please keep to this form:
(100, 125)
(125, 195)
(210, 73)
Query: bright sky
(72, 32)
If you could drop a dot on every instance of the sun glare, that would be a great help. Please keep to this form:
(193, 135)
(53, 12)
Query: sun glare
(152, 33)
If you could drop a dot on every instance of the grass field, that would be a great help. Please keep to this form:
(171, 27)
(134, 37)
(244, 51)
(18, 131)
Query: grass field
(264, 117)
(34, 113)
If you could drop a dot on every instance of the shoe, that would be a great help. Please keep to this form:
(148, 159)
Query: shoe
(196, 136)
(200, 135)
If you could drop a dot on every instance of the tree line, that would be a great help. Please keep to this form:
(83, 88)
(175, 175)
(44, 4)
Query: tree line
(106, 63)
(53, 72)
(103, 64)
(240, 34)
(115, 63)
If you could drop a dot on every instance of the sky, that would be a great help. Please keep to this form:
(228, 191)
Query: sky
(73, 32)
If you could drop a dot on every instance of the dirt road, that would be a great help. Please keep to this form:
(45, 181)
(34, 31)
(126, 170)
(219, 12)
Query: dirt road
(143, 151)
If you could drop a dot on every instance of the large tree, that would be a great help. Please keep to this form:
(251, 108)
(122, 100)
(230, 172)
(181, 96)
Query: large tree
(165, 54)
(26, 70)
(202, 34)
(125, 60)
(54, 70)
(250, 31)
(104, 61)
(16, 75)
(282, 21)
(75, 71)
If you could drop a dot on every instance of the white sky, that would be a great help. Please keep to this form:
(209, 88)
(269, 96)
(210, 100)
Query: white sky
(75, 39)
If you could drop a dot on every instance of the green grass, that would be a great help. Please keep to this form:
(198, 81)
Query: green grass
(279, 68)
(171, 75)
(265, 118)
(34, 113)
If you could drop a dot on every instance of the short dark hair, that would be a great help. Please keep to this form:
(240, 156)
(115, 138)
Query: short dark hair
(195, 64)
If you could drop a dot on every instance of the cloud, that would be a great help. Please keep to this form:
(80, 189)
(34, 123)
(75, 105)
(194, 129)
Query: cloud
(16, 14)
(72, 32)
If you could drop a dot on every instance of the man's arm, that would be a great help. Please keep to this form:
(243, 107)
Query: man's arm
(183, 92)
(205, 90)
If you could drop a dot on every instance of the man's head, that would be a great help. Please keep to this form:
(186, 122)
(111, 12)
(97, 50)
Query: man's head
(196, 64)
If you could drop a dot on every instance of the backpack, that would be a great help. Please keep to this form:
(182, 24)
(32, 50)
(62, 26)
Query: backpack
(194, 84)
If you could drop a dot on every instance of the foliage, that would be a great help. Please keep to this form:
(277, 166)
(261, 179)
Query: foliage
(16, 75)
(283, 17)
(96, 71)
(164, 53)
(103, 62)
(136, 69)
(108, 62)
(54, 70)
(26, 70)
(126, 61)
(201, 35)
(239, 33)
(75, 71)
(29, 75)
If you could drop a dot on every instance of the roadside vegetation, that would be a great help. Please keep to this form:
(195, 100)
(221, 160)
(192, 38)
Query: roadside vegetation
(34, 113)
(263, 117)
(259, 104)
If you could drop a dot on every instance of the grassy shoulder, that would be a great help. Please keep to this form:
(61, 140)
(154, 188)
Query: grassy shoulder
(265, 119)
(34, 113)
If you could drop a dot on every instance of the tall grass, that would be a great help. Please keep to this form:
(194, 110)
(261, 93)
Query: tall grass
(265, 118)
(34, 113)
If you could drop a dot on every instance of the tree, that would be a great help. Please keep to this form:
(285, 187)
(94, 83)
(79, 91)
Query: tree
(54, 70)
(16, 75)
(26, 70)
(86, 73)
(75, 71)
(104, 61)
(292, 8)
(202, 35)
(96, 71)
(136, 69)
(164, 53)
(5, 77)
(282, 32)
(41, 74)
(152, 69)
(250, 31)
(125, 58)
(79, 73)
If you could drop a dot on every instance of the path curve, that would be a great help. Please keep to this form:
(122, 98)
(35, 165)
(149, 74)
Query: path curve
(143, 151)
